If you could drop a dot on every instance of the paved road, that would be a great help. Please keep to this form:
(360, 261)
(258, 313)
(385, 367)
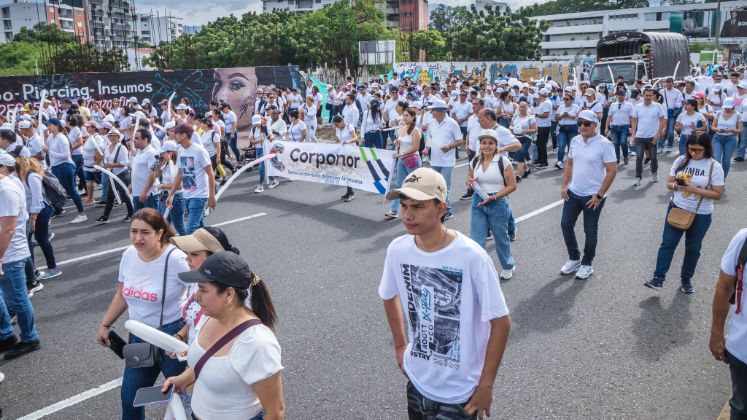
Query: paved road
(604, 348)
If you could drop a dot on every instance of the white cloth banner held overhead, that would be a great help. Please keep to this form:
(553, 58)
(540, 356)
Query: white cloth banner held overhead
(363, 168)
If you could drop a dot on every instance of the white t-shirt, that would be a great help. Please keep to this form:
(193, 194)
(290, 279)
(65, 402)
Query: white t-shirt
(696, 173)
(736, 327)
(572, 110)
(123, 157)
(620, 113)
(75, 138)
(143, 286)
(648, 119)
(350, 114)
(448, 298)
(588, 163)
(390, 109)
(309, 115)
(58, 148)
(224, 390)
(461, 110)
(295, 132)
(209, 139)
(142, 164)
(729, 124)
(192, 161)
(492, 179)
(519, 123)
(13, 204)
(473, 132)
(443, 134)
(686, 120)
(345, 134)
(94, 144)
(544, 107)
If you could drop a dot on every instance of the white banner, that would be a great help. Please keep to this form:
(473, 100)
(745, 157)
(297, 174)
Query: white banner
(363, 168)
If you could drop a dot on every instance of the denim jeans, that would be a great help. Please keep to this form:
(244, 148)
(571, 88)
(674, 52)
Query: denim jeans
(693, 242)
(446, 172)
(373, 139)
(402, 172)
(572, 207)
(619, 134)
(742, 142)
(65, 172)
(262, 170)
(136, 378)
(565, 135)
(41, 235)
(670, 130)
(738, 401)
(104, 187)
(521, 154)
(78, 160)
(152, 202)
(642, 144)
(233, 143)
(419, 407)
(14, 294)
(554, 134)
(723, 148)
(176, 215)
(195, 208)
(492, 217)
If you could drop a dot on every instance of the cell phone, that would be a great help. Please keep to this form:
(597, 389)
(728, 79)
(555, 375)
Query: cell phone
(680, 181)
(152, 395)
(116, 344)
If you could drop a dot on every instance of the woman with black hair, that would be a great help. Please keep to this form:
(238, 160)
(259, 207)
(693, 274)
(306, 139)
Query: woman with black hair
(696, 181)
(689, 122)
(234, 361)
(371, 126)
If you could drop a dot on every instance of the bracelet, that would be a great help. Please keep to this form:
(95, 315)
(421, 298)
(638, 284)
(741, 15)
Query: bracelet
(105, 326)
(180, 337)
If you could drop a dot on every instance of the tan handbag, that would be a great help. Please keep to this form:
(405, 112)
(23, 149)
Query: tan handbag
(682, 219)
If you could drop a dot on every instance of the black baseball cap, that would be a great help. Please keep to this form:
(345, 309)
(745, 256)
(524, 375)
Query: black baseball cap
(226, 268)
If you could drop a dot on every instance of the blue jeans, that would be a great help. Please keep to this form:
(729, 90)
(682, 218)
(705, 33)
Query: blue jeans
(233, 143)
(260, 153)
(195, 208)
(682, 144)
(104, 187)
(619, 134)
(670, 129)
(65, 172)
(176, 215)
(742, 142)
(41, 235)
(554, 134)
(572, 207)
(723, 148)
(493, 216)
(14, 294)
(565, 135)
(373, 139)
(421, 407)
(152, 202)
(738, 401)
(78, 159)
(136, 378)
(402, 172)
(446, 171)
(693, 242)
(504, 122)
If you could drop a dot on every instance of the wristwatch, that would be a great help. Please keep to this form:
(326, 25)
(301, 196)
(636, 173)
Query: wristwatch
(599, 196)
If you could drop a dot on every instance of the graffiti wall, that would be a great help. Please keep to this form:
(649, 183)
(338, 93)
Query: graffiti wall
(236, 86)
(479, 72)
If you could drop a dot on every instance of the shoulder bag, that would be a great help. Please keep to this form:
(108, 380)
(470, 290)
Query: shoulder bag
(682, 219)
(142, 355)
(235, 332)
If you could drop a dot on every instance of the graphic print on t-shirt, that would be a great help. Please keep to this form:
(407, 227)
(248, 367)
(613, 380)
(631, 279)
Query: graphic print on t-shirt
(433, 304)
(189, 181)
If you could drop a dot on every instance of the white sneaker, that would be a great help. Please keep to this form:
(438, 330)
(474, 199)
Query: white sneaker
(507, 274)
(584, 272)
(631, 153)
(655, 178)
(2, 377)
(79, 219)
(559, 165)
(570, 266)
(259, 189)
(273, 184)
(637, 182)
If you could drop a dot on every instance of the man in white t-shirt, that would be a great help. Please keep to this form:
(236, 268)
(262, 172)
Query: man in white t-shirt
(443, 138)
(647, 122)
(460, 112)
(446, 286)
(672, 100)
(543, 115)
(741, 101)
(729, 344)
(195, 178)
(473, 134)
(589, 172)
(144, 185)
(14, 257)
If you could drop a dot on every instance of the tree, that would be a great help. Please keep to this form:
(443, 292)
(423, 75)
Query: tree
(431, 42)
(42, 32)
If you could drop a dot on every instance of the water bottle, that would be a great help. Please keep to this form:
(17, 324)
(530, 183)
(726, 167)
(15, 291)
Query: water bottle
(479, 190)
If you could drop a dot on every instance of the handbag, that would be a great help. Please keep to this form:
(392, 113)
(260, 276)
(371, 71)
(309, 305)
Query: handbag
(411, 160)
(235, 332)
(142, 355)
(682, 219)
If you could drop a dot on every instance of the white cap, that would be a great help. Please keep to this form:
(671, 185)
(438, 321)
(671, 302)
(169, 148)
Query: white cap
(488, 133)
(169, 146)
(417, 104)
(256, 119)
(439, 105)
(543, 92)
(728, 103)
(132, 100)
(6, 126)
(742, 85)
(168, 125)
(146, 101)
(588, 115)
(7, 160)
(25, 124)
(182, 107)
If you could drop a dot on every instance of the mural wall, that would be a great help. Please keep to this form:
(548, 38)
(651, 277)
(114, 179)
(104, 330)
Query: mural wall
(480, 72)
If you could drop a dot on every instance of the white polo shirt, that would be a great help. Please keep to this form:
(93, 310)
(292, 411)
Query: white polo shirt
(620, 113)
(544, 107)
(589, 158)
(736, 327)
(648, 117)
(473, 132)
(443, 134)
(461, 110)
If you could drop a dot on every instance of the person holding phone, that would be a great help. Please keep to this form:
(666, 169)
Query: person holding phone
(689, 122)
(696, 181)
(145, 296)
(234, 361)
(727, 126)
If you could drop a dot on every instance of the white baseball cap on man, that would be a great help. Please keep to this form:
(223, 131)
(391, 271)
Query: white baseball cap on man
(588, 115)
(422, 184)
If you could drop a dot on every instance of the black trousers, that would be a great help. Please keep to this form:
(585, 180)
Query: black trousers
(543, 135)
(125, 178)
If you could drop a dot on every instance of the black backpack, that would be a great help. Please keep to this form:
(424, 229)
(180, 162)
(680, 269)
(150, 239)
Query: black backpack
(500, 166)
(736, 297)
(53, 190)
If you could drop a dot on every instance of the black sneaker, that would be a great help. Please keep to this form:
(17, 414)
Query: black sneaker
(738, 159)
(687, 286)
(57, 213)
(8, 343)
(489, 237)
(655, 283)
(512, 236)
(127, 219)
(22, 348)
(646, 161)
(467, 196)
(100, 204)
(348, 197)
(448, 216)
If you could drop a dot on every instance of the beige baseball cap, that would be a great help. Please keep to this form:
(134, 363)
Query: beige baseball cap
(422, 184)
(200, 240)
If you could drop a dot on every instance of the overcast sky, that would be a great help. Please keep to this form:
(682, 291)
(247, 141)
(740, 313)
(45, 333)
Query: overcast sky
(199, 12)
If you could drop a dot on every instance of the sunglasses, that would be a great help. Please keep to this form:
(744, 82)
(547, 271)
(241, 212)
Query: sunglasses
(694, 150)
(585, 123)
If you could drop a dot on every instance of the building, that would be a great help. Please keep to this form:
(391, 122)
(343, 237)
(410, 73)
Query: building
(111, 23)
(68, 15)
(575, 35)
(191, 29)
(407, 15)
(153, 29)
(17, 15)
(299, 6)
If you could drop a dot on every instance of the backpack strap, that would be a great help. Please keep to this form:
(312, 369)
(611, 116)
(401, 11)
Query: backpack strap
(235, 332)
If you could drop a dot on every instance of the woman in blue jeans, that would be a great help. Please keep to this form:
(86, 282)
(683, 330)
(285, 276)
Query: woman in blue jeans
(696, 181)
(490, 207)
(408, 156)
(150, 291)
(727, 126)
(166, 172)
(62, 165)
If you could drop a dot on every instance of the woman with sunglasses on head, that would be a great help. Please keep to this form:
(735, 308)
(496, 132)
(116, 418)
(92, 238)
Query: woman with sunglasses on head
(234, 360)
(696, 181)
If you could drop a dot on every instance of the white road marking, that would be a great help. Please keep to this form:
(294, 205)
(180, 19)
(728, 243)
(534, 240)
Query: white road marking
(73, 400)
(540, 210)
